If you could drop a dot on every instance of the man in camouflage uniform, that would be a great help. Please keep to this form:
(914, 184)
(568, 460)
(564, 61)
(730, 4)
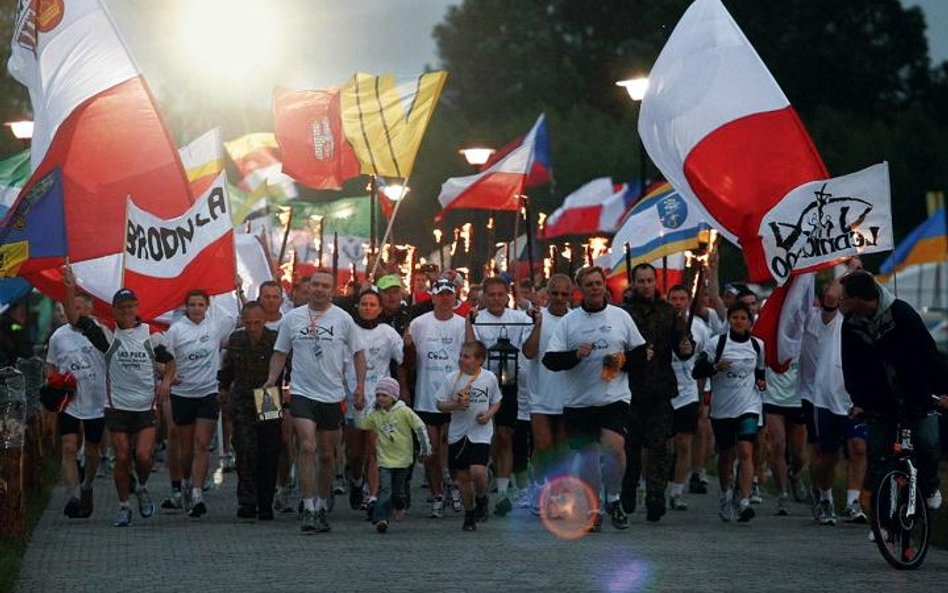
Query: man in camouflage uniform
(245, 367)
(653, 387)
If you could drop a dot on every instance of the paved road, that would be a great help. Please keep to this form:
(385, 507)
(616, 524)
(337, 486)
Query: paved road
(688, 551)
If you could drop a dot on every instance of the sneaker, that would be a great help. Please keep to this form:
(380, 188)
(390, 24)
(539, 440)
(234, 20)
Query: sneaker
(456, 505)
(677, 503)
(797, 487)
(339, 486)
(745, 512)
(470, 524)
(853, 513)
(696, 486)
(281, 503)
(174, 502)
(71, 509)
(322, 521)
(726, 510)
(198, 510)
(503, 506)
(480, 509)
(933, 502)
(783, 505)
(370, 503)
(653, 514)
(617, 515)
(123, 518)
(522, 498)
(246, 512)
(85, 503)
(827, 514)
(436, 506)
(146, 508)
(355, 496)
(308, 521)
(593, 521)
(755, 497)
(381, 526)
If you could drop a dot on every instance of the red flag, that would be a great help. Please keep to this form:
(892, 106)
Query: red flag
(309, 130)
(781, 320)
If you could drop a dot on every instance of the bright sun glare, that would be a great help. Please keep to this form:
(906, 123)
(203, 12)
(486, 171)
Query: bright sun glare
(230, 39)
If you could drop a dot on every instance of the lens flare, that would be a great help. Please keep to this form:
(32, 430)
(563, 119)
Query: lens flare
(569, 507)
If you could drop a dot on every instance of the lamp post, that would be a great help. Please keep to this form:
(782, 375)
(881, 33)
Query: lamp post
(22, 130)
(476, 157)
(394, 193)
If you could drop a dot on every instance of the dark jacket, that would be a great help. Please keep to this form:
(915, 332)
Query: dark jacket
(662, 328)
(246, 366)
(891, 357)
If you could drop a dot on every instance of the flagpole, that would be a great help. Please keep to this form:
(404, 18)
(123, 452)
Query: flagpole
(335, 257)
(516, 229)
(128, 200)
(388, 229)
(373, 201)
(628, 264)
(286, 235)
(527, 220)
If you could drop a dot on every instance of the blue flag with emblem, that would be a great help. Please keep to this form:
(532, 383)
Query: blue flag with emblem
(33, 233)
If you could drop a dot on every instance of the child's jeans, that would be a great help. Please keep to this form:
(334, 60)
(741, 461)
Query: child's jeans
(391, 492)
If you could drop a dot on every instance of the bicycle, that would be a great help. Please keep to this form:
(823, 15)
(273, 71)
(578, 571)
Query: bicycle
(899, 517)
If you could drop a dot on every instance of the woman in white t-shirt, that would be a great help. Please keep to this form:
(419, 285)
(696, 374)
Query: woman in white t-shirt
(383, 345)
(735, 363)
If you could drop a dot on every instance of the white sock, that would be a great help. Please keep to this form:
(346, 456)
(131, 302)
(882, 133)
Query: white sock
(197, 494)
(502, 485)
(852, 496)
(745, 502)
(729, 494)
(677, 489)
(321, 504)
(612, 498)
(309, 504)
(826, 494)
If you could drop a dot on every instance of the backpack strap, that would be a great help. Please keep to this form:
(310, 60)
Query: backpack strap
(719, 349)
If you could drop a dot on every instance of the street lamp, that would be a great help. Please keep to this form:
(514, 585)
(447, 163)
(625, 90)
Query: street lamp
(636, 87)
(22, 130)
(477, 155)
(396, 191)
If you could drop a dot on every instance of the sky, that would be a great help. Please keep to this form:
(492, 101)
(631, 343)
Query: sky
(324, 41)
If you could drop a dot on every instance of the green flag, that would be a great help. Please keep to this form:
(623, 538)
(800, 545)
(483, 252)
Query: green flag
(14, 172)
(347, 216)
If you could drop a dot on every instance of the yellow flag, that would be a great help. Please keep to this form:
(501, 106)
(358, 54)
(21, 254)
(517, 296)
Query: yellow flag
(385, 121)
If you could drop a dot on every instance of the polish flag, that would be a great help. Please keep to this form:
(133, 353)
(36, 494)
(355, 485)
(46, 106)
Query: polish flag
(95, 121)
(781, 321)
(499, 186)
(596, 207)
(718, 127)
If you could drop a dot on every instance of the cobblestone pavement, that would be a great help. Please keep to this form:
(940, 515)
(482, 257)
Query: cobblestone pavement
(687, 551)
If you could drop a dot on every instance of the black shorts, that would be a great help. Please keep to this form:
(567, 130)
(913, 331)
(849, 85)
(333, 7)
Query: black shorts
(434, 418)
(809, 418)
(583, 424)
(325, 416)
(129, 422)
(685, 419)
(91, 430)
(185, 410)
(507, 414)
(728, 431)
(793, 415)
(463, 454)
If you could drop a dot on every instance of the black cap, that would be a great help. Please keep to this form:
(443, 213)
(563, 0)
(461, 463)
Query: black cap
(122, 296)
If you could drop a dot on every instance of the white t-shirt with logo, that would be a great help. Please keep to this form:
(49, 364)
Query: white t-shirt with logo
(687, 385)
(382, 345)
(782, 387)
(830, 389)
(70, 350)
(438, 347)
(130, 361)
(320, 342)
(546, 393)
(610, 331)
(196, 350)
(483, 392)
(734, 391)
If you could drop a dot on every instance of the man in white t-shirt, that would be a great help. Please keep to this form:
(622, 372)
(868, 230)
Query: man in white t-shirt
(320, 335)
(593, 347)
(83, 421)
(488, 326)
(436, 338)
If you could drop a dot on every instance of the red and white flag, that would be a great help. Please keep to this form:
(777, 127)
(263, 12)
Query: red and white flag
(498, 187)
(596, 207)
(166, 258)
(94, 119)
(781, 321)
(719, 128)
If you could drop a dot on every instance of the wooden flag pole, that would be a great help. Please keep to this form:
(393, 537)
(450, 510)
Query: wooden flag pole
(628, 263)
(286, 234)
(527, 220)
(388, 229)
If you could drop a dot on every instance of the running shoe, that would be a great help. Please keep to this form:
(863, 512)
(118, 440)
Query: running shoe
(381, 526)
(456, 505)
(322, 521)
(933, 502)
(339, 486)
(522, 498)
(436, 507)
(123, 518)
(174, 502)
(617, 515)
(198, 510)
(146, 508)
(696, 486)
(370, 503)
(726, 510)
(827, 514)
(281, 503)
(71, 509)
(480, 508)
(783, 505)
(853, 513)
(470, 523)
(677, 503)
(85, 503)
(355, 496)
(745, 512)
(755, 497)
(503, 505)
(308, 521)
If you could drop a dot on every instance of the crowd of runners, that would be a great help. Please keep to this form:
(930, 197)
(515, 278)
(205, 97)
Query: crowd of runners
(489, 399)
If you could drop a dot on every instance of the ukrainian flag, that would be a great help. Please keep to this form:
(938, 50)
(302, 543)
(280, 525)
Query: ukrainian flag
(33, 233)
(927, 243)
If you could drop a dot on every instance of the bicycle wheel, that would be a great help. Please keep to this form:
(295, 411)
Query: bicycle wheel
(902, 538)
